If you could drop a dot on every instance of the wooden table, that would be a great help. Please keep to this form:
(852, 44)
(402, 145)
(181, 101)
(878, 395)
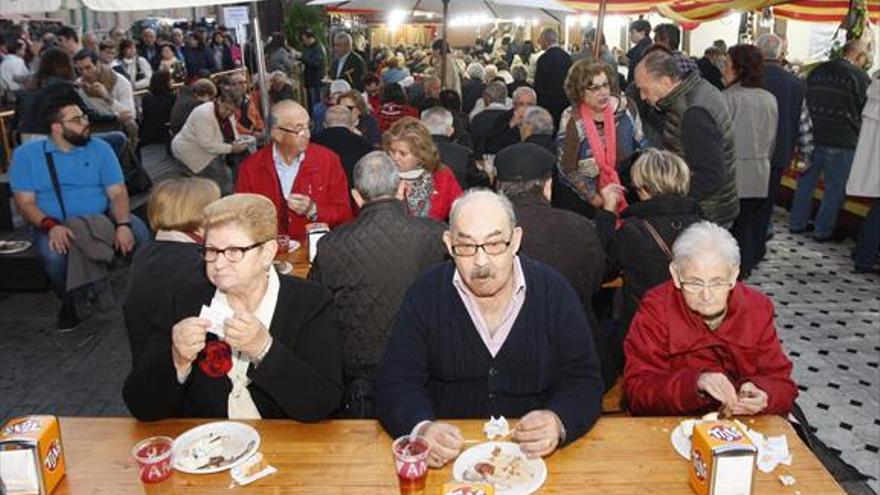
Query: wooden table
(300, 260)
(619, 456)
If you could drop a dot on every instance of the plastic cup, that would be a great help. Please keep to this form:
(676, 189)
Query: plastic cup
(283, 243)
(153, 456)
(411, 461)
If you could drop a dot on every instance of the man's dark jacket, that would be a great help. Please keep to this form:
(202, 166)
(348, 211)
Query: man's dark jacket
(368, 264)
(550, 72)
(482, 126)
(349, 146)
(436, 365)
(634, 55)
(353, 71)
(836, 94)
(569, 243)
(458, 158)
(789, 91)
(313, 64)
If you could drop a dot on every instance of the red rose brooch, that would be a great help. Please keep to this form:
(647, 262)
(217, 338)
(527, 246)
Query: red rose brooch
(215, 360)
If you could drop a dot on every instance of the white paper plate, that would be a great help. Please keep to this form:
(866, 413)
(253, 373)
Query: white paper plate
(483, 451)
(681, 442)
(240, 442)
(12, 247)
(283, 267)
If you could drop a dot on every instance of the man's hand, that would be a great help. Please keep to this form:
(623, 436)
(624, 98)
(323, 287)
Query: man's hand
(100, 90)
(445, 440)
(538, 433)
(752, 400)
(124, 115)
(239, 147)
(124, 239)
(245, 333)
(718, 386)
(299, 203)
(60, 238)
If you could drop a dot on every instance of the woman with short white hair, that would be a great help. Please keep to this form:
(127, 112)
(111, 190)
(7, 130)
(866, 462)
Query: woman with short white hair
(703, 341)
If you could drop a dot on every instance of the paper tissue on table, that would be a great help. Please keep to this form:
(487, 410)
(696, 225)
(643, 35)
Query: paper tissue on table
(722, 459)
(31, 455)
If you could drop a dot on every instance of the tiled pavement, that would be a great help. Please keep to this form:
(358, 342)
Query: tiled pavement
(828, 319)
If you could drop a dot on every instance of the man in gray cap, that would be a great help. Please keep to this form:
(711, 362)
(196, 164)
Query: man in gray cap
(562, 239)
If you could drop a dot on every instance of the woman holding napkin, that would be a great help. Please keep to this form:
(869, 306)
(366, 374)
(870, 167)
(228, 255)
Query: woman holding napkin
(231, 354)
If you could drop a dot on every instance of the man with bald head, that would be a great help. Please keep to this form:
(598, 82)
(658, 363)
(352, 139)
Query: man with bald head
(304, 180)
(339, 135)
(490, 333)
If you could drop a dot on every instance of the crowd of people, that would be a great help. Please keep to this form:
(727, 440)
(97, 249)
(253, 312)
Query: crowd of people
(477, 202)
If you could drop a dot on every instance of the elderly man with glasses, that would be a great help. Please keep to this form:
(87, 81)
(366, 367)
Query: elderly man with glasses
(704, 342)
(487, 334)
(305, 180)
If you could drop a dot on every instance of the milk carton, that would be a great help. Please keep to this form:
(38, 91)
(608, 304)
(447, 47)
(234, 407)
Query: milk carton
(31, 455)
(722, 459)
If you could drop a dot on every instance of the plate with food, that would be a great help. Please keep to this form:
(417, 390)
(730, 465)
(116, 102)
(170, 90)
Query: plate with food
(502, 465)
(215, 447)
(12, 247)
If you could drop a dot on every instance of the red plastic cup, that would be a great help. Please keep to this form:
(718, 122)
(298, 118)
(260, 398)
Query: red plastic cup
(411, 461)
(153, 456)
(283, 243)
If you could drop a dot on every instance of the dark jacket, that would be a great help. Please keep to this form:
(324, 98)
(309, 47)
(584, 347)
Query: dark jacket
(30, 106)
(471, 91)
(501, 135)
(300, 378)
(632, 252)
(711, 73)
(461, 133)
(368, 264)
(550, 72)
(789, 91)
(634, 55)
(349, 146)
(698, 127)
(456, 157)
(563, 196)
(199, 61)
(568, 242)
(155, 126)
(482, 127)
(516, 85)
(313, 59)
(151, 54)
(353, 71)
(155, 272)
(436, 365)
(836, 94)
(184, 104)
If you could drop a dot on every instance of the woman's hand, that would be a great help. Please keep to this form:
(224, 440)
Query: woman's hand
(188, 339)
(752, 400)
(245, 333)
(611, 195)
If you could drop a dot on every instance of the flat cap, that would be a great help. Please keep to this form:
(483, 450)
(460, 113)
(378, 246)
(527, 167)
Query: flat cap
(523, 162)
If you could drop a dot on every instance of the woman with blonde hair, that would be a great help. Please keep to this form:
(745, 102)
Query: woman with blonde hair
(598, 133)
(275, 353)
(428, 187)
(639, 250)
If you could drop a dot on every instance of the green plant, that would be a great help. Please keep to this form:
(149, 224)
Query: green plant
(301, 17)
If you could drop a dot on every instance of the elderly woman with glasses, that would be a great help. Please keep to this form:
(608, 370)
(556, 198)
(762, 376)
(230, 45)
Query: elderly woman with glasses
(267, 346)
(704, 342)
(598, 134)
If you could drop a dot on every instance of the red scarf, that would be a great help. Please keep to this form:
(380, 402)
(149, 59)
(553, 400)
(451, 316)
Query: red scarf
(604, 154)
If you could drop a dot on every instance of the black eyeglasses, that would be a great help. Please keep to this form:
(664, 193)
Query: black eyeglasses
(604, 85)
(232, 254)
(493, 248)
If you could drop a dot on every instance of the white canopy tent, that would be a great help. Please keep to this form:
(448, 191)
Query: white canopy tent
(28, 6)
(127, 5)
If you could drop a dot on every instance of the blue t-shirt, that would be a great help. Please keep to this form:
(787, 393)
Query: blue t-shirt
(84, 173)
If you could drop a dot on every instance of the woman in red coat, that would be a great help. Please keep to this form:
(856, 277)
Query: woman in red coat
(703, 342)
(428, 186)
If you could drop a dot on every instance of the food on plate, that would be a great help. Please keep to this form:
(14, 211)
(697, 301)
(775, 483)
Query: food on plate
(501, 469)
(203, 453)
(496, 427)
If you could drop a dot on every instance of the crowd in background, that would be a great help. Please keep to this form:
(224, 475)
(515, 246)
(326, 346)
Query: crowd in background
(664, 175)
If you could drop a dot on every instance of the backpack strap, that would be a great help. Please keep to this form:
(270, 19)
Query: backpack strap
(56, 185)
(657, 238)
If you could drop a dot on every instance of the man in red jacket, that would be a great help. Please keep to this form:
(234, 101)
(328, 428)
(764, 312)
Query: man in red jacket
(703, 342)
(305, 181)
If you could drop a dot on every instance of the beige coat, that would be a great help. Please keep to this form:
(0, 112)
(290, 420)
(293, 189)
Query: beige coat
(754, 116)
(864, 178)
(200, 140)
